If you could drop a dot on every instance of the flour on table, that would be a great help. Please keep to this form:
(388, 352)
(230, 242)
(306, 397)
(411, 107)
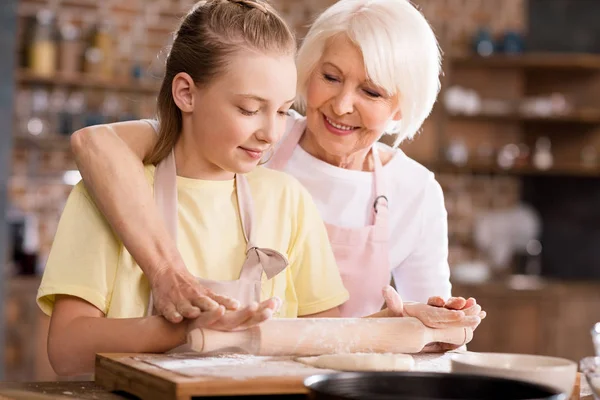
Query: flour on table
(242, 367)
(239, 367)
(361, 362)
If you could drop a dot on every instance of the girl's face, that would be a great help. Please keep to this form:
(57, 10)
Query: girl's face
(236, 119)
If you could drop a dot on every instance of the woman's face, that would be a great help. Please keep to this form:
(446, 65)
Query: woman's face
(346, 113)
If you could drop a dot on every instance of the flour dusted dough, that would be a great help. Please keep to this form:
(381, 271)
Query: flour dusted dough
(361, 362)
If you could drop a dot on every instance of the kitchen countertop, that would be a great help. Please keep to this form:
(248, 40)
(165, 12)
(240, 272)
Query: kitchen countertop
(82, 390)
(90, 391)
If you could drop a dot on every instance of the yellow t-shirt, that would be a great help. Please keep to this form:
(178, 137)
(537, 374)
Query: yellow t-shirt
(88, 261)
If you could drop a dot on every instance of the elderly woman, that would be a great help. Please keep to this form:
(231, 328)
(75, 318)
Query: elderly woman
(365, 69)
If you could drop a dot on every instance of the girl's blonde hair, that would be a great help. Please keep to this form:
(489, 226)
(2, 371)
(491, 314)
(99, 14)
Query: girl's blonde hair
(211, 32)
(399, 48)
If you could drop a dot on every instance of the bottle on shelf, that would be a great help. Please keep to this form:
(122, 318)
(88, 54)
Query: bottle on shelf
(43, 51)
(542, 156)
(71, 49)
(38, 123)
(100, 54)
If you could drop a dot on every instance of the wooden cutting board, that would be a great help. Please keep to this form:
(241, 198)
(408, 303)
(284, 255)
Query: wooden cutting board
(183, 376)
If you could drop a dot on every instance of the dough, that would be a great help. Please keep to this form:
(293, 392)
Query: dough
(361, 362)
(595, 384)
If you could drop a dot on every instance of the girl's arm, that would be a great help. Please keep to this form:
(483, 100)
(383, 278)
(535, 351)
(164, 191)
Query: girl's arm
(109, 158)
(78, 331)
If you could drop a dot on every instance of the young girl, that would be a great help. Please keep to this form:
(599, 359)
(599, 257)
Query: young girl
(250, 233)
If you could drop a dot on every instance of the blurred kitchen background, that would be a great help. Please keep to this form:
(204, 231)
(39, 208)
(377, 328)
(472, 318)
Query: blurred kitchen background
(514, 140)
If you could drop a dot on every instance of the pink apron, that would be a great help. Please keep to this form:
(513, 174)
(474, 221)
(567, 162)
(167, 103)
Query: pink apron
(361, 253)
(247, 288)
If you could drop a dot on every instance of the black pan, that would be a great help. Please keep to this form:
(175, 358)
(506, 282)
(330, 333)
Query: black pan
(423, 386)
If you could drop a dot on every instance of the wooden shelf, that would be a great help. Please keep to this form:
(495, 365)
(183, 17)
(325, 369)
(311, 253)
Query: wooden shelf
(473, 168)
(49, 142)
(560, 61)
(591, 117)
(84, 81)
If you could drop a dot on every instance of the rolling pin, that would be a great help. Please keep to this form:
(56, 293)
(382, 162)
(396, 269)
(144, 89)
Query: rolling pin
(317, 336)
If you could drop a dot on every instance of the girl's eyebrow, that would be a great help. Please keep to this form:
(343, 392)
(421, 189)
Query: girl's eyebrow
(260, 99)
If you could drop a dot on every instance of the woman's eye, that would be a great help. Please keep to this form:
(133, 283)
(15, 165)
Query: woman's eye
(247, 112)
(284, 113)
(372, 93)
(330, 78)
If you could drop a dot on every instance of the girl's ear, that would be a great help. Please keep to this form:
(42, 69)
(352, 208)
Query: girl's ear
(183, 88)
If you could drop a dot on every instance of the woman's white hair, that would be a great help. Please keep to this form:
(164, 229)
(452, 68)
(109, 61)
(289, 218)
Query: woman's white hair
(399, 48)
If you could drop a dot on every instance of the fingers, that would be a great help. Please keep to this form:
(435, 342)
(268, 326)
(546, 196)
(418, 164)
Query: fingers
(470, 302)
(204, 303)
(261, 315)
(208, 318)
(187, 310)
(436, 317)
(274, 303)
(247, 317)
(472, 321)
(235, 318)
(264, 312)
(456, 303)
(475, 314)
(170, 313)
(436, 301)
(448, 320)
(232, 320)
(227, 302)
(473, 310)
(393, 301)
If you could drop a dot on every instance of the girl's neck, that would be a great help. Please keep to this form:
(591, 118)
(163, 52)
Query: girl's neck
(192, 163)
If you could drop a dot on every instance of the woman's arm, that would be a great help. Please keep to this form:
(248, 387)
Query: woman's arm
(425, 272)
(109, 158)
(78, 331)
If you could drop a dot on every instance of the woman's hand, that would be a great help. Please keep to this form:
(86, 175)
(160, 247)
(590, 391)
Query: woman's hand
(235, 320)
(437, 313)
(178, 294)
(468, 306)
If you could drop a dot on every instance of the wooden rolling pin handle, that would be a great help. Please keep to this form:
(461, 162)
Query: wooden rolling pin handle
(208, 341)
(195, 340)
(456, 336)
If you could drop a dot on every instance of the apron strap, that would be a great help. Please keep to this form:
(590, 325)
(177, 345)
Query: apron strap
(257, 259)
(380, 204)
(165, 193)
(165, 196)
(245, 207)
(285, 150)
